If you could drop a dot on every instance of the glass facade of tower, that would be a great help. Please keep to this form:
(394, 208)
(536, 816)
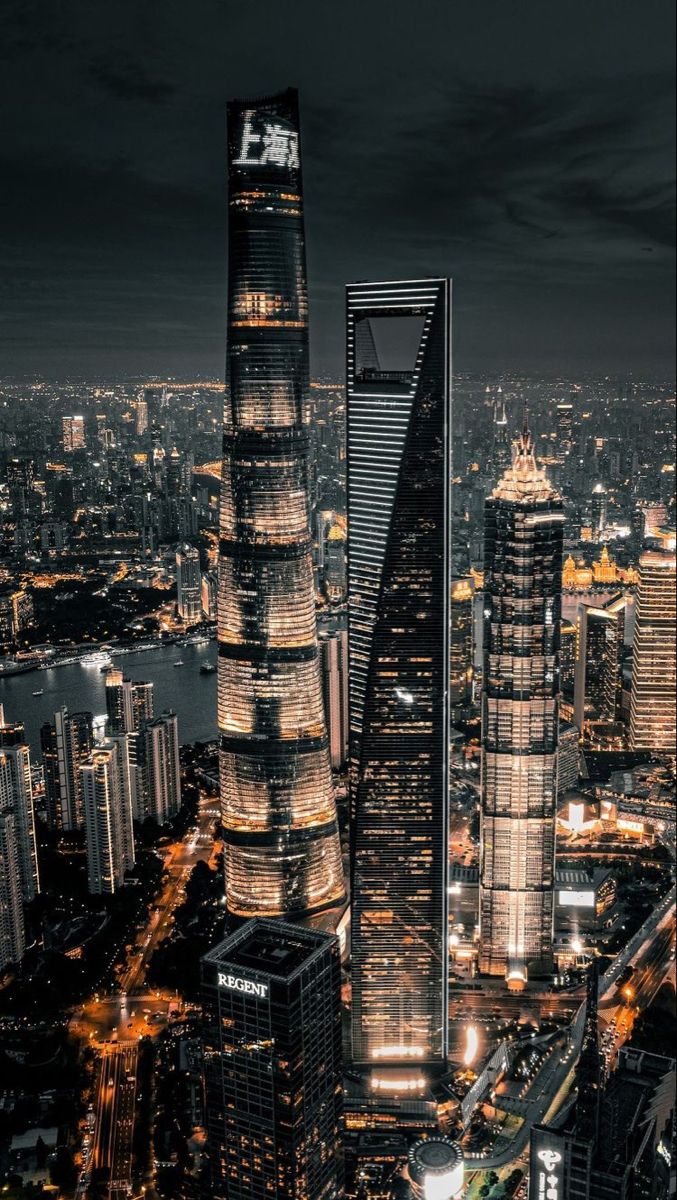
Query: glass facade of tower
(272, 1064)
(399, 580)
(520, 718)
(281, 836)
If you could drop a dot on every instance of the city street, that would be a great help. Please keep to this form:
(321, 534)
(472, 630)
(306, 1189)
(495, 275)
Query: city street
(111, 1157)
(133, 1010)
(179, 860)
(115, 1022)
(649, 950)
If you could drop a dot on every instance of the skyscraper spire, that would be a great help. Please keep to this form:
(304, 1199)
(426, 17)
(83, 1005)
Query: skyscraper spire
(501, 436)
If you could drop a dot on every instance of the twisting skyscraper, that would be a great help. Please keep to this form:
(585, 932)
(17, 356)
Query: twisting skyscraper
(399, 479)
(282, 845)
(520, 717)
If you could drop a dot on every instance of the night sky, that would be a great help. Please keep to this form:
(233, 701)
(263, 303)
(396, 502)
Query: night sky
(523, 148)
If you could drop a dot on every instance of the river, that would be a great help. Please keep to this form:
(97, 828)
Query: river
(191, 695)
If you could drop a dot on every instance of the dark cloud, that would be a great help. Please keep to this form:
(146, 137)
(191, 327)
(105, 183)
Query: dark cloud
(129, 82)
(647, 212)
(527, 152)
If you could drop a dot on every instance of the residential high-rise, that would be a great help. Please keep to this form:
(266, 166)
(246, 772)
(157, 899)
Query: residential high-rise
(597, 676)
(16, 757)
(153, 747)
(334, 654)
(501, 449)
(188, 583)
(162, 768)
(652, 695)
(208, 593)
(568, 658)
(520, 716)
(129, 703)
(20, 476)
(12, 929)
(65, 746)
(272, 1064)
(599, 506)
(282, 849)
(73, 433)
(106, 788)
(141, 424)
(565, 426)
(399, 589)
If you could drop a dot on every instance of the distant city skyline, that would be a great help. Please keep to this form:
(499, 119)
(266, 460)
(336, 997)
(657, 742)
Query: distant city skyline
(528, 154)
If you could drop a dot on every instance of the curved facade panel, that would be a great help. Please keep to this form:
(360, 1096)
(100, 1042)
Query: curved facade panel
(279, 613)
(282, 848)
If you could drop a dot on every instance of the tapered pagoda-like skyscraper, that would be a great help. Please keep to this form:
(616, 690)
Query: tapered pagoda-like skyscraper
(520, 718)
(282, 850)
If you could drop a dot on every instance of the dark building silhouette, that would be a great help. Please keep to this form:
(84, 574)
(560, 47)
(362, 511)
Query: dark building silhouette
(65, 745)
(590, 1064)
(272, 1063)
(129, 703)
(597, 679)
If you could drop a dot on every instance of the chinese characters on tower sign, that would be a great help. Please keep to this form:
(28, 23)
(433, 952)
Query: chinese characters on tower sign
(548, 1177)
(267, 142)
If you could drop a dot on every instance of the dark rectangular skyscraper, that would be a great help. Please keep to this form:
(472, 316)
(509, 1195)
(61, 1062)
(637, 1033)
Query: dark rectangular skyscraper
(272, 1055)
(399, 478)
(282, 850)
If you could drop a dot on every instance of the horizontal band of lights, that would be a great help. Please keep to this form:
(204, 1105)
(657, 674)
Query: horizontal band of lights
(268, 323)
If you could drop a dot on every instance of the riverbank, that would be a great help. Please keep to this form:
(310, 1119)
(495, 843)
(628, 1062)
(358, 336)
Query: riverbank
(97, 653)
(175, 669)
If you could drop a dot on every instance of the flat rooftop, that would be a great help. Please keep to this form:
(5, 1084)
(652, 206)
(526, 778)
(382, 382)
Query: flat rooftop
(274, 949)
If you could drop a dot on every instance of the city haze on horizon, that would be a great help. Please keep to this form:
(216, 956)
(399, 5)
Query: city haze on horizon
(515, 151)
